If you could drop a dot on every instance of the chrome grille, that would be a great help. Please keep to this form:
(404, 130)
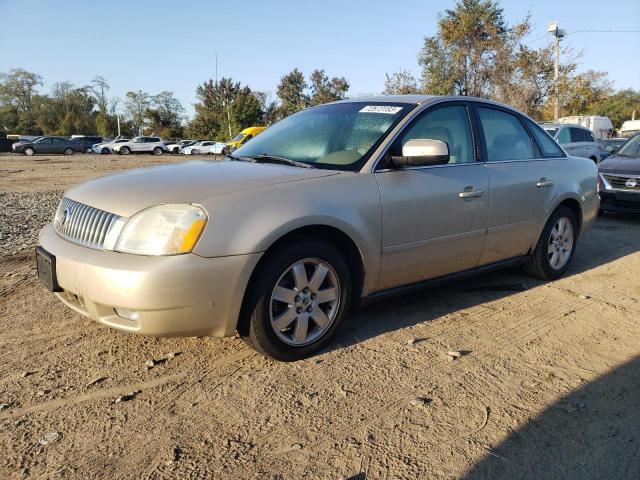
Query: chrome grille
(619, 182)
(82, 224)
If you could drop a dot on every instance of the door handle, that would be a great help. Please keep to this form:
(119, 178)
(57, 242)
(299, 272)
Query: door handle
(543, 182)
(470, 192)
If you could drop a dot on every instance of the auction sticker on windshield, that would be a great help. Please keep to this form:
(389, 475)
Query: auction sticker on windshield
(380, 109)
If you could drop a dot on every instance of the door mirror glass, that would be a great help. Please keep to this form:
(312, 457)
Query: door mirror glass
(419, 152)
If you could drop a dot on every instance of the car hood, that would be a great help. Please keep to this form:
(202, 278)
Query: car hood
(190, 182)
(617, 164)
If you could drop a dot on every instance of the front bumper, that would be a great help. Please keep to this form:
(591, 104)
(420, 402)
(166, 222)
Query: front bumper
(621, 202)
(181, 295)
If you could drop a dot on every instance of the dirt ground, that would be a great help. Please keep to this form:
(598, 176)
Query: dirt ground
(547, 386)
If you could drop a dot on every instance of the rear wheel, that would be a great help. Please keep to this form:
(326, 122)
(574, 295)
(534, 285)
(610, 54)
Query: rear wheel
(68, 151)
(29, 151)
(296, 300)
(176, 150)
(105, 151)
(157, 151)
(556, 246)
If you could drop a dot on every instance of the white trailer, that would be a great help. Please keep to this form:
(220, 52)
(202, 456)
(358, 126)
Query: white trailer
(629, 128)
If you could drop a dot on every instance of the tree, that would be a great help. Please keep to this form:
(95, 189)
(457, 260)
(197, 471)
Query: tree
(100, 86)
(401, 82)
(165, 115)
(224, 108)
(19, 88)
(618, 107)
(291, 92)
(460, 58)
(324, 89)
(269, 107)
(136, 105)
(586, 91)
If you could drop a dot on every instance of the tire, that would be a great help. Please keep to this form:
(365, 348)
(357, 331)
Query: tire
(105, 151)
(68, 151)
(195, 151)
(157, 151)
(540, 263)
(176, 150)
(29, 151)
(594, 159)
(88, 150)
(125, 151)
(320, 306)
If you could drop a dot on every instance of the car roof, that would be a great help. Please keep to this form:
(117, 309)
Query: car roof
(424, 99)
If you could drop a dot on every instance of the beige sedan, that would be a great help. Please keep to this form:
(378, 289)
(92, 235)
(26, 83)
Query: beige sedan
(337, 203)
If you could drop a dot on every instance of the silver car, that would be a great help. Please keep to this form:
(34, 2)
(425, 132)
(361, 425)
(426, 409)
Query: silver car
(575, 139)
(335, 204)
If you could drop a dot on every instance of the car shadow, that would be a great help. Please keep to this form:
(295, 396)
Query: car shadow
(609, 239)
(591, 433)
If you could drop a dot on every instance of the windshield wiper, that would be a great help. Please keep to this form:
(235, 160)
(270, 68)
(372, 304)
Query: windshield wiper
(239, 159)
(266, 158)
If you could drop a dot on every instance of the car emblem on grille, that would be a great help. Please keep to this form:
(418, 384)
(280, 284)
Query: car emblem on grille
(631, 183)
(65, 217)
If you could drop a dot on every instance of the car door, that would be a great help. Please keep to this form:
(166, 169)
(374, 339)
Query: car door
(44, 146)
(579, 142)
(138, 144)
(433, 217)
(58, 145)
(521, 179)
(563, 137)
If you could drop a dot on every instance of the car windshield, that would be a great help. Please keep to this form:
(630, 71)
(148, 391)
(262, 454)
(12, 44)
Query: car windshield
(631, 148)
(337, 136)
(238, 137)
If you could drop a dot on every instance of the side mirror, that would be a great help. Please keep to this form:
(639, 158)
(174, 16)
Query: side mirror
(419, 152)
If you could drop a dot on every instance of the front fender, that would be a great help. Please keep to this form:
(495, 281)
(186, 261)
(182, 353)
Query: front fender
(250, 221)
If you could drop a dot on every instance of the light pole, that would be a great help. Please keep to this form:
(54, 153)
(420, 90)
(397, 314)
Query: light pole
(558, 34)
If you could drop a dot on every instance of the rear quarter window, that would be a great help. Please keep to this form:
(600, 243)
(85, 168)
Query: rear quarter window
(548, 146)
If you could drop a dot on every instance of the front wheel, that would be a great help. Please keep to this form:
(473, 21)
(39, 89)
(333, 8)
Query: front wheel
(125, 151)
(157, 151)
(88, 150)
(29, 151)
(105, 151)
(195, 151)
(556, 246)
(296, 300)
(68, 151)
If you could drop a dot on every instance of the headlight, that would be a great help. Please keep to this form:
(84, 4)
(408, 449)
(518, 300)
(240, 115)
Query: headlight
(163, 230)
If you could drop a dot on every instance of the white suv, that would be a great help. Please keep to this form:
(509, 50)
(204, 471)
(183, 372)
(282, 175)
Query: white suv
(153, 145)
(575, 139)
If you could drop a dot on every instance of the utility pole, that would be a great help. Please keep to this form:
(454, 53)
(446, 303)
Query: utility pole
(558, 34)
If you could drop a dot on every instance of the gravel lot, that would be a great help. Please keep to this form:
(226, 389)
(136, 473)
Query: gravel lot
(546, 387)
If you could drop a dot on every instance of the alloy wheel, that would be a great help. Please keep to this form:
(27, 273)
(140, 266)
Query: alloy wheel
(305, 302)
(560, 243)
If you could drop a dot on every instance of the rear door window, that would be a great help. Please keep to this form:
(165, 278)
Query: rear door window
(577, 135)
(505, 136)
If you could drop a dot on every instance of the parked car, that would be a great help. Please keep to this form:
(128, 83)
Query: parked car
(153, 145)
(48, 145)
(207, 147)
(337, 203)
(601, 127)
(176, 147)
(620, 179)
(609, 146)
(576, 140)
(6, 143)
(243, 137)
(106, 148)
(87, 141)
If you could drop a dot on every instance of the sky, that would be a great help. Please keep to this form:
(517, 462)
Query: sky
(171, 45)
